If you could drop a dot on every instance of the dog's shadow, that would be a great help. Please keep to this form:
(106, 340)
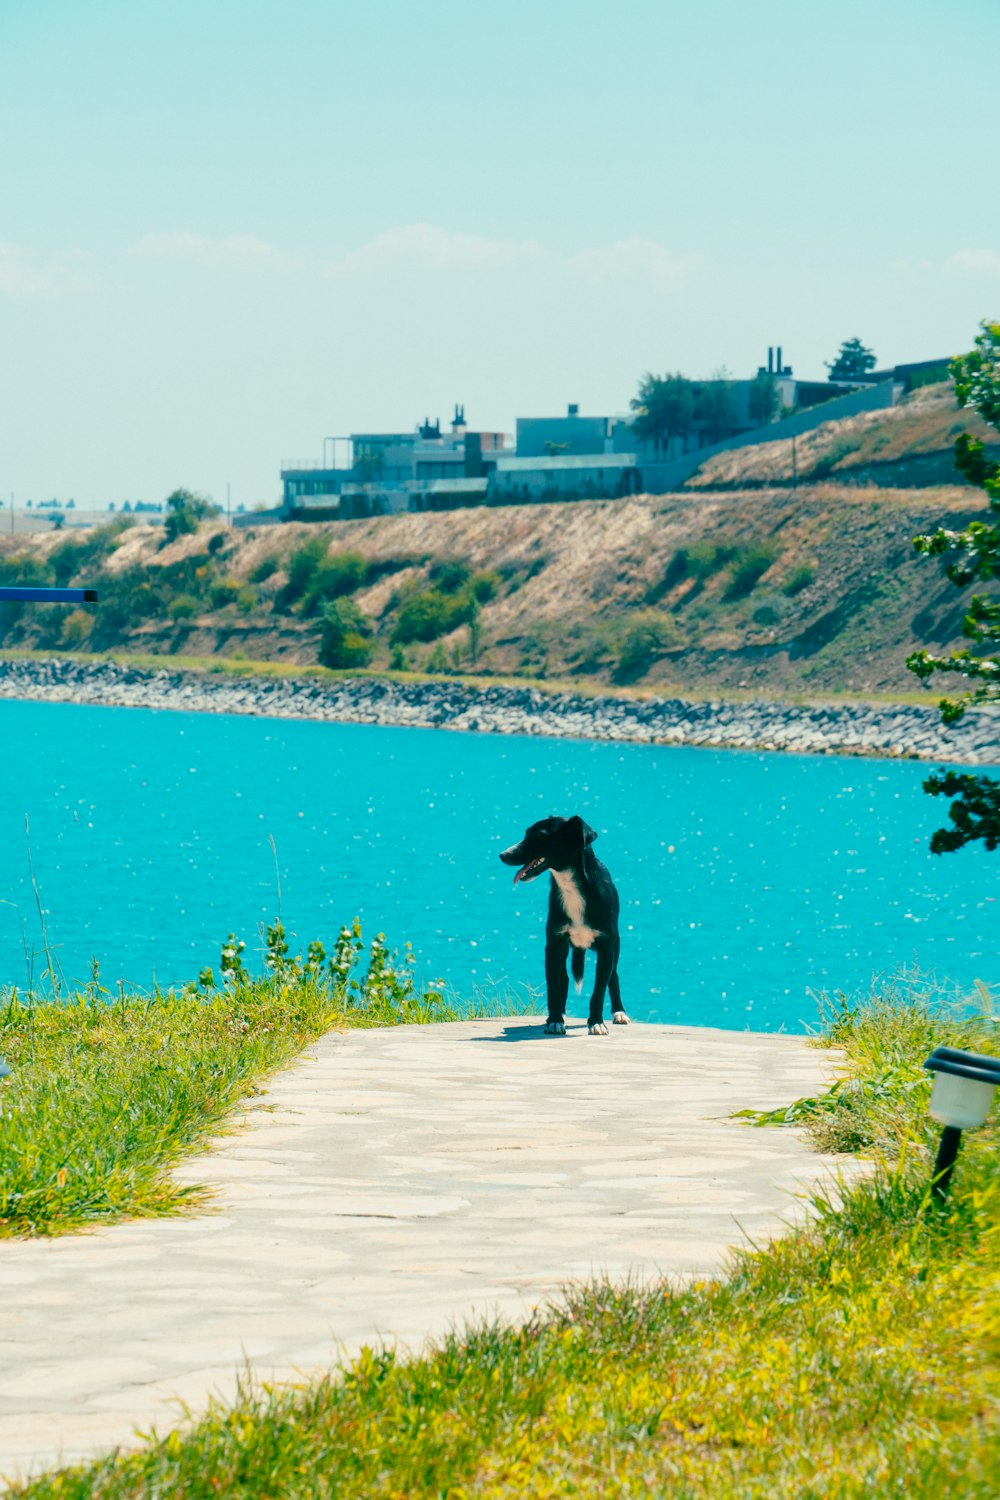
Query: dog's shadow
(527, 1031)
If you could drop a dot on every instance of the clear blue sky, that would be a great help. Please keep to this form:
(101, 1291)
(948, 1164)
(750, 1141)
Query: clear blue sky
(230, 229)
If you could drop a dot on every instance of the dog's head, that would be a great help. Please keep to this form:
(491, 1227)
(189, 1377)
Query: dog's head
(552, 844)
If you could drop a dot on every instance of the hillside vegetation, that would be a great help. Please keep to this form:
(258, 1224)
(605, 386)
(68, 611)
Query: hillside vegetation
(777, 591)
(911, 445)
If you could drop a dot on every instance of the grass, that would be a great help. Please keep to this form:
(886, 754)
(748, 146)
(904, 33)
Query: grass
(582, 687)
(109, 1092)
(857, 1356)
(882, 1098)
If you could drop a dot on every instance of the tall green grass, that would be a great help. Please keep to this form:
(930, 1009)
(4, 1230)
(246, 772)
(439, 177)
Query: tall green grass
(856, 1357)
(886, 1036)
(108, 1092)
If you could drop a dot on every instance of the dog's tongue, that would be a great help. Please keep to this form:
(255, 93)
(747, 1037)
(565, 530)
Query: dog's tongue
(519, 873)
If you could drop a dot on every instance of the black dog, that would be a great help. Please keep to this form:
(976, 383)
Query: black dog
(583, 913)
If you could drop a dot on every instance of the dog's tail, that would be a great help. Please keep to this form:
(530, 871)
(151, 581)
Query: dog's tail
(576, 964)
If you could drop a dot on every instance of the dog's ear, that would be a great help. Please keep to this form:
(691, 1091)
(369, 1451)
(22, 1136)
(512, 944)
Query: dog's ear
(578, 829)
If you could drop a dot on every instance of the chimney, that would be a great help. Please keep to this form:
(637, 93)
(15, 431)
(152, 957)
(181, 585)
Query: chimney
(770, 360)
(573, 409)
(777, 361)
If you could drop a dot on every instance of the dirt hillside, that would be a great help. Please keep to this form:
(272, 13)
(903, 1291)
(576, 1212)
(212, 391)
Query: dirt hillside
(908, 446)
(780, 591)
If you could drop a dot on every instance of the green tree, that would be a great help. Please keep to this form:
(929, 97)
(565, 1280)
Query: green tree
(343, 573)
(368, 465)
(427, 613)
(302, 566)
(664, 408)
(184, 511)
(650, 632)
(345, 640)
(762, 399)
(976, 558)
(853, 361)
(714, 405)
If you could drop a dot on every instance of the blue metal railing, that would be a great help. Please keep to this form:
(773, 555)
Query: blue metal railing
(48, 596)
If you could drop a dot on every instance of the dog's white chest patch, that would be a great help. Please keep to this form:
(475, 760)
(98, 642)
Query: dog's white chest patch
(581, 937)
(571, 897)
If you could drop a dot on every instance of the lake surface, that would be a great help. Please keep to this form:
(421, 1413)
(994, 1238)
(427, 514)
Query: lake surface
(746, 879)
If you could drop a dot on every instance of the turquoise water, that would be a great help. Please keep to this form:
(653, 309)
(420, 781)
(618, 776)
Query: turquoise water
(746, 879)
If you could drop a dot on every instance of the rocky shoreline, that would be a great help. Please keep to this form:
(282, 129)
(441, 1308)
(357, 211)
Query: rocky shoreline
(913, 732)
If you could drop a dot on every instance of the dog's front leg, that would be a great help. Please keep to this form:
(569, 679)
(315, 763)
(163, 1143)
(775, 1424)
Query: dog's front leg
(605, 964)
(556, 985)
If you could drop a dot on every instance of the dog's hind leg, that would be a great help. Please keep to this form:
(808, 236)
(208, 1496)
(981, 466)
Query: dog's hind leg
(618, 1016)
(605, 968)
(577, 961)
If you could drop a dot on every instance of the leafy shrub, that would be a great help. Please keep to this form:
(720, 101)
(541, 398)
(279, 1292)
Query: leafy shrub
(800, 578)
(707, 558)
(595, 646)
(302, 565)
(67, 562)
(516, 575)
(379, 567)
(449, 575)
(21, 567)
(48, 621)
(264, 569)
(28, 571)
(650, 632)
(483, 585)
(78, 557)
(675, 571)
(332, 578)
(184, 511)
(426, 614)
(749, 563)
(767, 613)
(225, 591)
(183, 607)
(345, 640)
(76, 629)
(216, 542)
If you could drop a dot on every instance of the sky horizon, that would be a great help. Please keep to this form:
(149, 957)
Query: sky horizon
(227, 232)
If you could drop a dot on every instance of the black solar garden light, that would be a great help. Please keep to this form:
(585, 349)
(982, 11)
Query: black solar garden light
(961, 1100)
(17, 595)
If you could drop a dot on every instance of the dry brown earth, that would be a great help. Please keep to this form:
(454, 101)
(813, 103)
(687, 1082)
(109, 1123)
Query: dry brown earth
(574, 577)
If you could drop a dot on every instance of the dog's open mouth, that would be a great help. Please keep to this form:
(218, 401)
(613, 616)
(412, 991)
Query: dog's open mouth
(530, 870)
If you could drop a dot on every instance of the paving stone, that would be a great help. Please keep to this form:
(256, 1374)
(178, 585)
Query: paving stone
(491, 1166)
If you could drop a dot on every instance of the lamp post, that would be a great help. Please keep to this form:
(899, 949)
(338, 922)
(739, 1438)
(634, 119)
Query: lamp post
(960, 1099)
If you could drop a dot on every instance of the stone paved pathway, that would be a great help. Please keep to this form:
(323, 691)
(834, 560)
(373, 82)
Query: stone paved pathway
(392, 1183)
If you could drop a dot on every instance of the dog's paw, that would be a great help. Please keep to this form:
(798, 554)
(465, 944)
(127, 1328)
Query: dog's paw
(619, 1018)
(597, 1028)
(555, 1028)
